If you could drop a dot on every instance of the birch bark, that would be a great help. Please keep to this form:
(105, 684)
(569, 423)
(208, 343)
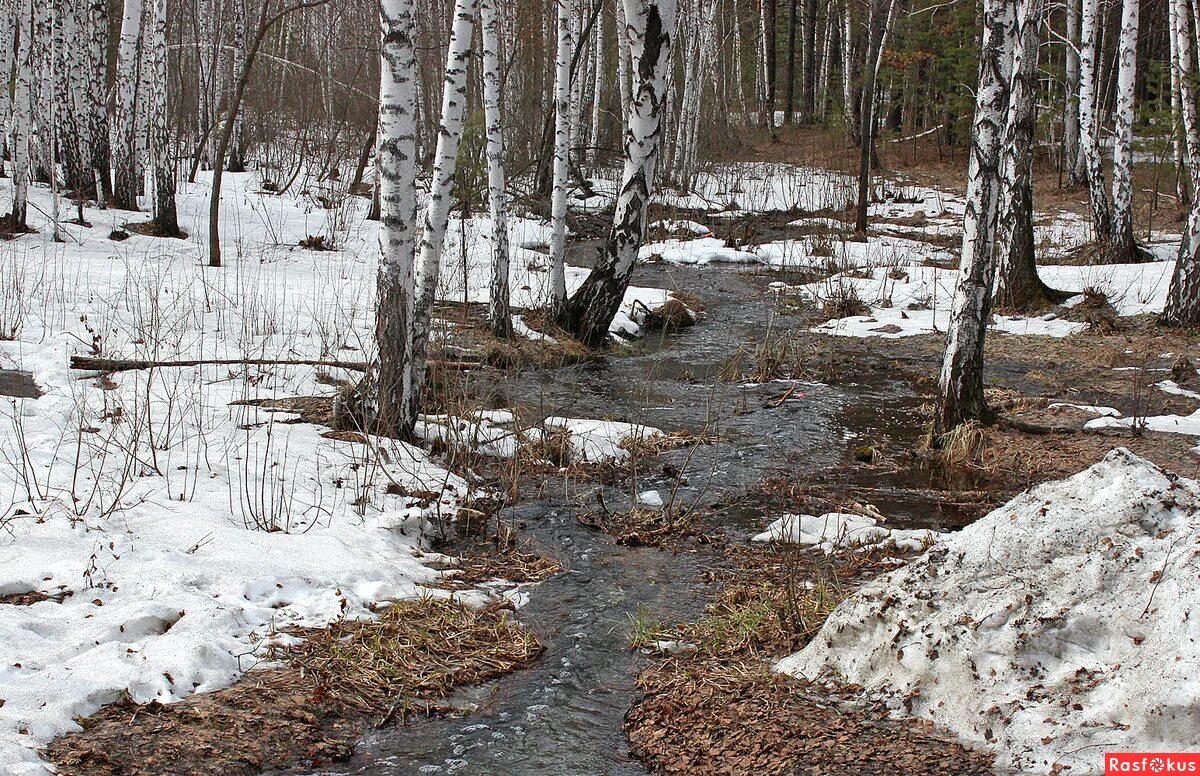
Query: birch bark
(960, 385)
(651, 28)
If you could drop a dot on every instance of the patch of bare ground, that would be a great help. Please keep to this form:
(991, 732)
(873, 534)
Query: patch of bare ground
(32, 597)
(324, 688)
(711, 704)
(153, 229)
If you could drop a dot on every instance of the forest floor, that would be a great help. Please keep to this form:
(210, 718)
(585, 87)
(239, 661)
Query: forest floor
(804, 388)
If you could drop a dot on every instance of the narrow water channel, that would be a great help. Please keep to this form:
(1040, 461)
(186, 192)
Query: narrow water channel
(563, 716)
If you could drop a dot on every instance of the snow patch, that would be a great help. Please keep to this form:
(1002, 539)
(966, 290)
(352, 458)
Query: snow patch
(1060, 626)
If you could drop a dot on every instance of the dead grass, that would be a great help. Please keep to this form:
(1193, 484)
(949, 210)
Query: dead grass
(719, 709)
(328, 688)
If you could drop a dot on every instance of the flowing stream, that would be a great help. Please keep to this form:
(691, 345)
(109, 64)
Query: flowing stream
(563, 716)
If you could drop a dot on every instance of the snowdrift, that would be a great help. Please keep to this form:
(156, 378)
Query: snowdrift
(1056, 628)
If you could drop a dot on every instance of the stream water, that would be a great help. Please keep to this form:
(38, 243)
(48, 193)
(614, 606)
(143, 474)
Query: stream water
(563, 716)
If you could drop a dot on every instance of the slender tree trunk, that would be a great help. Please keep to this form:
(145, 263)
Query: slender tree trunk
(1123, 247)
(850, 101)
(1018, 287)
(97, 79)
(1073, 159)
(960, 385)
(790, 69)
(165, 217)
(396, 411)
(562, 149)
(265, 23)
(808, 68)
(499, 314)
(1183, 295)
(437, 213)
(126, 176)
(1089, 141)
(877, 26)
(236, 161)
(593, 307)
(769, 9)
(599, 77)
(22, 119)
(8, 22)
(623, 64)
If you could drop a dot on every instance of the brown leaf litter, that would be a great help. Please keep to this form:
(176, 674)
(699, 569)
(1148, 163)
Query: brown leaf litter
(323, 689)
(717, 708)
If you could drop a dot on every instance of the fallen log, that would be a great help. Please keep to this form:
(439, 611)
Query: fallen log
(108, 365)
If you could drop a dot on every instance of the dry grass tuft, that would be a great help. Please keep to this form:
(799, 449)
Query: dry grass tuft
(329, 685)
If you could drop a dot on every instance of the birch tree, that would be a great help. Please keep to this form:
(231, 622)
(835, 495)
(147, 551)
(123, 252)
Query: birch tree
(1183, 295)
(165, 217)
(1018, 287)
(598, 77)
(125, 125)
(498, 308)
(1089, 141)
(396, 164)
(651, 31)
(8, 37)
(1122, 245)
(1072, 158)
(97, 99)
(22, 109)
(437, 212)
(960, 385)
(564, 51)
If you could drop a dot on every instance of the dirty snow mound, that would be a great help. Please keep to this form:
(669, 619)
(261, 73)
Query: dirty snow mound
(1055, 629)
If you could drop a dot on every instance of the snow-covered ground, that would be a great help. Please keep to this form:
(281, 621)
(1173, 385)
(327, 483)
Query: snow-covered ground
(1060, 626)
(184, 526)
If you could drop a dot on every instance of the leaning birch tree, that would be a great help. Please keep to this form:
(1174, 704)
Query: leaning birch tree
(564, 52)
(960, 385)
(499, 314)
(650, 25)
(396, 164)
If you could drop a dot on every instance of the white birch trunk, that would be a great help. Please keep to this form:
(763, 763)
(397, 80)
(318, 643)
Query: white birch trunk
(651, 27)
(498, 309)
(960, 385)
(396, 161)
(1183, 295)
(562, 149)
(823, 76)
(1018, 286)
(22, 115)
(437, 212)
(125, 134)
(597, 88)
(849, 103)
(1089, 141)
(623, 63)
(162, 162)
(1123, 247)
(1073, 160)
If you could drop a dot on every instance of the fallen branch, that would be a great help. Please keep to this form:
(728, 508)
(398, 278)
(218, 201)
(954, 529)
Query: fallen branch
(97, 364)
